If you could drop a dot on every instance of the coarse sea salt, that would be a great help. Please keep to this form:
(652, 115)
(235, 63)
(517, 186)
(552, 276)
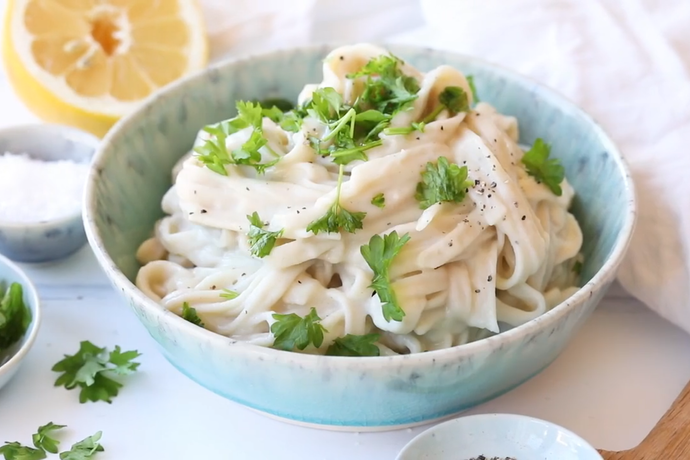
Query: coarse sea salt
(33, 190)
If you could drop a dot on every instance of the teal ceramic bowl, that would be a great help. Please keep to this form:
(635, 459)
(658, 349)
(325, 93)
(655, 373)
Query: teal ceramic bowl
(131, 172)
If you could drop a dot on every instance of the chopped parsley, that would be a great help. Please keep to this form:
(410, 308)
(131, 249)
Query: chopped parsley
(354, 345)
(15, 315)
(387, 88)
(190, 314)
(379, 200)
(91, 368)
(442, 181)
(42, 438)
(293, 331)
(261, 242)
(470, 82)
(214, 152)
(229, 295)
(379, 255)
(84, 449)
(453, 99)
(17, 451)
(337, 218)
(548, 171)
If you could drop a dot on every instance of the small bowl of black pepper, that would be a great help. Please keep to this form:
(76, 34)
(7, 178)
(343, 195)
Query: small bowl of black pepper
(498, 437)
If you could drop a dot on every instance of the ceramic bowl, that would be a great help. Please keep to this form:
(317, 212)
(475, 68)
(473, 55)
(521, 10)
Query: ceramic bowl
(131, 172)
(11, 359)
(53, 239)
(498, 435)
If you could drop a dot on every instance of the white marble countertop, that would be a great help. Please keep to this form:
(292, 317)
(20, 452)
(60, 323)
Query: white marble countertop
(611, 385)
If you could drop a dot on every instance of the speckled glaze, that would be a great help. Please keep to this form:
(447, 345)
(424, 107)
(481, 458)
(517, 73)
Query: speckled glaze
(131, 172)
(55, 239)
(10, 360)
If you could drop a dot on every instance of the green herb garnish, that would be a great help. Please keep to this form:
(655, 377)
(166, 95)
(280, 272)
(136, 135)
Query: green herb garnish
(190, 314)
(387, 88)
(470, 82)
(229, 295)
(261, 242)
(214, 153)
(89, 369)
(379, 200)
(16, 451)
(548, 171)
(15, 315)
(403, 130)
(84, 449)
(354, 345)
(337, 218)
(292, 331)
(452, 98)
(43, 440)
(379, 255)
(442, 181)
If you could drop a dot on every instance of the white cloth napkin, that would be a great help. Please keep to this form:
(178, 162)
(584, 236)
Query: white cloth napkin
(627, 63)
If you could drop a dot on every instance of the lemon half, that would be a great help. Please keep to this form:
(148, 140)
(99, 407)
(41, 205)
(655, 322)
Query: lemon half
(87, 63)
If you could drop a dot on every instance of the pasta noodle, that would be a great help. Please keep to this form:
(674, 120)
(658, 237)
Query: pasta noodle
(501, 257)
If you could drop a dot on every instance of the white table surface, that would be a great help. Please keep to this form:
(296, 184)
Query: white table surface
(611, 385)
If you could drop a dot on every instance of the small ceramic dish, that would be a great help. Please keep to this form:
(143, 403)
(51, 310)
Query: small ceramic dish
(53, 239)
(11, 358)
(498, 436)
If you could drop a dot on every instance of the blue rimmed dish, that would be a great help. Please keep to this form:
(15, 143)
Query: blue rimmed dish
(131, 173)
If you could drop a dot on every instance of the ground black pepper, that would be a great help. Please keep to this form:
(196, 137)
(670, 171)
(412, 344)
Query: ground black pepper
(481, 457)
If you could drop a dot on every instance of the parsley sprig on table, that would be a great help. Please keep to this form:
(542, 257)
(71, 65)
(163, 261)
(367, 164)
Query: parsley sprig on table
(548, 171)
(354, 345)
(293, 331)
(214, 152)
(379, 255)
(15, 315)
(91, 369)
(442, 181)
(261, 242)
(44, 443)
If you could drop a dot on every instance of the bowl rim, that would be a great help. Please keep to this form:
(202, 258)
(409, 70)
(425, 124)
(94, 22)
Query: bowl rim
(52, 129)
(605, 274)
(491, 418)
(30, 335)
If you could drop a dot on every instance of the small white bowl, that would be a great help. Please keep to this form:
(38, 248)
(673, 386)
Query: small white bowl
(53, 239)
(11, 359)
(498, 435)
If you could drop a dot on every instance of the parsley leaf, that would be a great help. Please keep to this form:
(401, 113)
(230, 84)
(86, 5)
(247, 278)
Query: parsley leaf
(214, 152)
(325, 104)
(261, 241)
(337, 217)
(42, 439)
(88, 369)
(229, 295)
(403, 130)
(16, 451)
(15, 315)
(544, 169)
(387, 88)
(354, 345)
(470, 81)
(292, 331)
(84, 449)
(452, 98)
(190, 314)
(442, 181)
(379, 200)
(379, 255)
